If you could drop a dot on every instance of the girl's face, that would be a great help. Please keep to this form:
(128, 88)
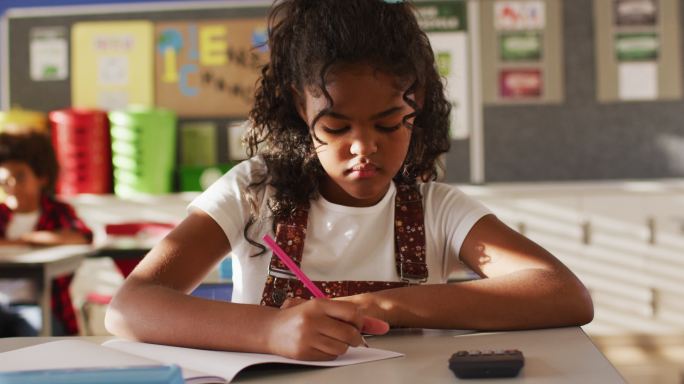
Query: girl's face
(365, 140)
(22, 186)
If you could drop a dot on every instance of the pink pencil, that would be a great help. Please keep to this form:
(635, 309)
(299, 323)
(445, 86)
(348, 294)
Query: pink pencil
(298, 272)
(293, 267)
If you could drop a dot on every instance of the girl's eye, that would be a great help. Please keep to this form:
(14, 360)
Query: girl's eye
(388, 129)
(335, 131)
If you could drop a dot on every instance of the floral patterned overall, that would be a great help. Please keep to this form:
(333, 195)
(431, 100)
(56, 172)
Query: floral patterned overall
(409, 251)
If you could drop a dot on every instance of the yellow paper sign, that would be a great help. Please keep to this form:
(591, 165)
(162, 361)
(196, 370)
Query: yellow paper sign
(112, 64)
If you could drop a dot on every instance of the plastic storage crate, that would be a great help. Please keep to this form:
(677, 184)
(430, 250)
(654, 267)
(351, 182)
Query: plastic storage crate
(143, 150)
(83, 149)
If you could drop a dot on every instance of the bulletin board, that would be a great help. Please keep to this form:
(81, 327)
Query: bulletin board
(638, 56)
(585, 137)
(193, 52)
(216, 76)
(183, 26)
(522, 52)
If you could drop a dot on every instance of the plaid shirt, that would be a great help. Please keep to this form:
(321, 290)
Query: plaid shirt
(55, 215)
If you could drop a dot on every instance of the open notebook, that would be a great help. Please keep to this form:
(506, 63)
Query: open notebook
(199, 366)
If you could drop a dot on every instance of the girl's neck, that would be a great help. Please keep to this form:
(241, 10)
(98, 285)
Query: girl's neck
(336, 195)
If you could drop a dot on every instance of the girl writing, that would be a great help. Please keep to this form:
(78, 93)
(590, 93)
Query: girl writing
(349, 119)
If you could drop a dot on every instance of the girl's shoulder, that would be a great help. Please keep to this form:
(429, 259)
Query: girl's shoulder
(250, 174)
(241, 187)
(439, 196)
(435, 189)
(247, 171)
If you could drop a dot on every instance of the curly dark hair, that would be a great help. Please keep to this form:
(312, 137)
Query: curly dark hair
(307, 40)
(33, 148)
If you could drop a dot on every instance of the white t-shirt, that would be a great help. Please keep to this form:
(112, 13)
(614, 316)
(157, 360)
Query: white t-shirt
(342, 243)
(21, 223)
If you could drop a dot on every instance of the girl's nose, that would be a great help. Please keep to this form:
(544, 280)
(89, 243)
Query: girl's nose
(364, 144)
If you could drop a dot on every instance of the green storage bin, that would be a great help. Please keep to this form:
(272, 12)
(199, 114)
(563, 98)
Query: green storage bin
(143, 150)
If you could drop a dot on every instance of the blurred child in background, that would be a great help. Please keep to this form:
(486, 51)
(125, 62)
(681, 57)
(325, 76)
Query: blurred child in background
(30, 214)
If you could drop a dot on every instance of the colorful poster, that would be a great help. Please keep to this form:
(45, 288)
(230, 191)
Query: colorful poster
(520, 46)
(638, 81)
(447, 27)
(209, 68)
(519, 15)
(112, 64)
(49, 54)
(636, 46)
(636, 12)
(451, 54)
(441, 16)
(520, 83)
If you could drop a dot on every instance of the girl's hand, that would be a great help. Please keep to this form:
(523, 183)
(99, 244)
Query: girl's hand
(316, 329)
(292, 301)
(371, 325)
(372, 306)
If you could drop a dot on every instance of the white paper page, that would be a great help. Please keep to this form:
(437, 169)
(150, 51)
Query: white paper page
(67, 354)
(229, 364)
(638, 81)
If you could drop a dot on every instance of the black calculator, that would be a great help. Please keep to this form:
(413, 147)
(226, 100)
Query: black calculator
(484, 364)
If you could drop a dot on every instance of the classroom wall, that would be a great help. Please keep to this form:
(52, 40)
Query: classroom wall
(577, 138)
(580, 138)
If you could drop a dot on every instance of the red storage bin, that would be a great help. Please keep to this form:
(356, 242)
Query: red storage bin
(83, 147)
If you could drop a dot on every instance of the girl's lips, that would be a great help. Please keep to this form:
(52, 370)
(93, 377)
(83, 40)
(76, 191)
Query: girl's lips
(363, 171)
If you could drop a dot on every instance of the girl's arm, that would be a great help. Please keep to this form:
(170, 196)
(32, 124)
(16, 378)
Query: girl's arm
(153, 305)
(12, 242)
(522, 286)
(56, 237)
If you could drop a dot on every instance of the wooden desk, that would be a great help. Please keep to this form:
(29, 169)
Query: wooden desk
(42, 265)
(562, 355)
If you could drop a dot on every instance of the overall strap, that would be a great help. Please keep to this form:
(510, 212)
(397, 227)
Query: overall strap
(290, 235)
(409, 235)
(409, 253)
